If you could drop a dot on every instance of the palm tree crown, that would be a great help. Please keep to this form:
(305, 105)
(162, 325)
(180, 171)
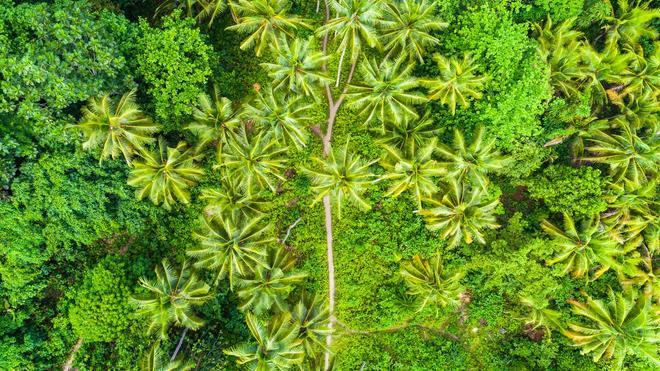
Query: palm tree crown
(407, 27)
(157, 360)
(116, 129)
(231, 248)
(231, 201)
(341, 175)
(409, 134)
(461, 214)
(165, 176)
(456, 82)
(427, 281)
(170, 298)
(266, 21)
(277, 344)
(385, 93)
(313, 316)
(298, 67)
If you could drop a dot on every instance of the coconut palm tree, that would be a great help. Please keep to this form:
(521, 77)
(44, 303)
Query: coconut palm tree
(540, 316)
(298, 67)
(430, 284)
(165, 176)
(342, 175)
(471, 162)
(355, 25)
(629, 22)
(415, 171)
(269, 285)
(231, 201)
(643, 73)
(210, 10)
(584, 249)
(409, 134)
(276, 346)
(386, 91)
(254, 159)
(456, 82)
(115, 128)
(231, 248)
(281, 116)
(189, 7)
(157, 360)
(631, 207)
(213, 119)
(171, 297)
(632, 155)
(407, 27)
(461, 214)
(561, 47)
(624, 325)
(607, 69)
(267, 22)
(313, 317)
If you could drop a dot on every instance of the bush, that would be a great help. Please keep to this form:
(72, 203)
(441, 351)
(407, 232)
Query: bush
(174, 63)
(100, 309)
(577, 191)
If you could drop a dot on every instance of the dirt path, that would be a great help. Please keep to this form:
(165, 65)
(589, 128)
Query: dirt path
(327, 206)
(72, 356)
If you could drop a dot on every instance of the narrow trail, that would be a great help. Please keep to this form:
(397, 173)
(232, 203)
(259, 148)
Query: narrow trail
(72, 356)
(327, 206)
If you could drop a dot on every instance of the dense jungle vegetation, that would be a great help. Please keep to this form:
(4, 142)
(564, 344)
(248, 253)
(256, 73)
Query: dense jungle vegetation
(337, 184)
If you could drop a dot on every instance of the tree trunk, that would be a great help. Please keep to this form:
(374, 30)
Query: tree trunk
(72, 356)
(178, 346)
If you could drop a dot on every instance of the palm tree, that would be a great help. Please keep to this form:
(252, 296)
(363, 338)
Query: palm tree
(165, 176)
(561, 47)
(430, 284)
(341, 175)
(632, 155)
(189, 7)
(630, 23)
(456, 82)
(171, 297)
(409, 134)
(211, 9)
(471, 162)
(461, 214)
(583, 249)
(385, 92)
(623, 326)
(255, 160)
(231, 248)
(540, 316)
(277, 344)
(231, 201)
(157, 360)
(643, 73)
(298, 67)
(281, 116)
(270, 284)
(214, 118)
(407, 27)
(313, 317)
(606, 68)
(266, 21)
(116, 129)
(631, 207)
(355, 25)
(412, 170)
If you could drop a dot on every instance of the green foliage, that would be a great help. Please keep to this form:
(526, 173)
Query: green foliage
(174, 63)
(101, 309)
(427, 281)
(577, 191)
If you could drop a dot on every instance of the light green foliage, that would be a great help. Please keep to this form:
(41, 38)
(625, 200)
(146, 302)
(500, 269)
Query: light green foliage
(169, 299)
(277, 344)
(267, 21)
(282, 117)
(409, 134)
(166, 175)
(174, 63)
(101, 309)
(231, 201)
(298, 67)
(312, 314)
(116, 128)
(231, 248)
(408, 28)
(564, 189)
(429, 284)
(630, 20)
(46, 60)
(621, 326)
(157, 360)
(386, 92)
(342, 176)
(456, 82)
(269, 284)
(461, 213)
